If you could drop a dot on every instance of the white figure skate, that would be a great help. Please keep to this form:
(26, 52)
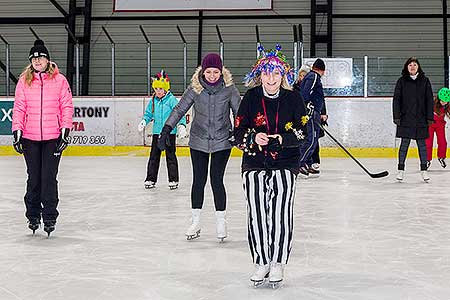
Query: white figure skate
(276, 275)
(400, 175)
(193, 231)
(260, 274)
(425, 176)
(221, 224)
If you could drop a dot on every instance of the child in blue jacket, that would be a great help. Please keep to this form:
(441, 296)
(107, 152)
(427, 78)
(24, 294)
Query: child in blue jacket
(158, 110)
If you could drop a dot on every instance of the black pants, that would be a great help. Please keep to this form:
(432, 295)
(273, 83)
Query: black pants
(154, 159)
(200, 161)
(316, 154)
(41, 197)
(403, 152)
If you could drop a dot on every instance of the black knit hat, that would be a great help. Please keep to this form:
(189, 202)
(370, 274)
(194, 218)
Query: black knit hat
(39, 50)
(319, 64)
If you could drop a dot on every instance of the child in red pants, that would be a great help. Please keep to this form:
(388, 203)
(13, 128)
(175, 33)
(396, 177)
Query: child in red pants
(441, 109)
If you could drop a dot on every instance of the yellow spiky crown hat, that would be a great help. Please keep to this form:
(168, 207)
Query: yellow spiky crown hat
(161, 80)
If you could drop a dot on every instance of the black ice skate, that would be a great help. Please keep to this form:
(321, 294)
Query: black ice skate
(173, 185)
(149, 184)
(442, 162)
(303, 173)
(49, 227)
(34, 224)
(313, 173)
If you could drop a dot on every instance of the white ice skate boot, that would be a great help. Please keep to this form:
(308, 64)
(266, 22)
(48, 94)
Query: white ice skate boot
(276, 274)
(173, 185)
(400, 175)
(149, 184)
(425, 176)
(261, 273)
(221, 224)
(193, 231)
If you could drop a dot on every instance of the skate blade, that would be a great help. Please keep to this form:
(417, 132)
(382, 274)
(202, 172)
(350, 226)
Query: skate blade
(221, 239)
(173, 187)
(276, 284)
(194, 236)
(149, 187)
(257, 284)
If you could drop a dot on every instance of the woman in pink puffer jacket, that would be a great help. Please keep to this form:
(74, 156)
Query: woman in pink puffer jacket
(42, 120)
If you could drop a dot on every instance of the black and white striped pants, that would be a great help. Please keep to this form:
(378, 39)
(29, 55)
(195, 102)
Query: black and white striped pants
(270, 202)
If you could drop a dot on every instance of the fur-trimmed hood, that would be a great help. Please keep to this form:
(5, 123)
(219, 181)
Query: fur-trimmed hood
(197, 86)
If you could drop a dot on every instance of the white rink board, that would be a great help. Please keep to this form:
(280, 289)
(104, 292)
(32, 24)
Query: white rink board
(174, 5)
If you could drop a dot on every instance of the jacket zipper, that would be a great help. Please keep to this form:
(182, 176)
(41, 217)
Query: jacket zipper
(42, 102)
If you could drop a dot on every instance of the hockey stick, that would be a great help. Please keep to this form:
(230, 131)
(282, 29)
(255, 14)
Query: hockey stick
(373, 175)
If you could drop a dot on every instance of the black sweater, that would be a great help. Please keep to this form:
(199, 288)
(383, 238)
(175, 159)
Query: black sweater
(251, 117)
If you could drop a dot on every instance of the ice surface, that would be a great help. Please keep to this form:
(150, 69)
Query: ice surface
(355, 237)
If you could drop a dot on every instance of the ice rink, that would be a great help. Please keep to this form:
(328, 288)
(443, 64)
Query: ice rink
(355, 237)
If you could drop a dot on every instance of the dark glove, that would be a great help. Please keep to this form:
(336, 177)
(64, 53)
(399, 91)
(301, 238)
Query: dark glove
(17, 143)
(164, 138)
(273, 145)
(397, 122)
(430, 122)
(64, 141)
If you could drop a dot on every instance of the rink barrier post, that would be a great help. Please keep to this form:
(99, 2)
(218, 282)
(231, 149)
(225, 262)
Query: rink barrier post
(77, 60)
(8, 65)
(113, 62)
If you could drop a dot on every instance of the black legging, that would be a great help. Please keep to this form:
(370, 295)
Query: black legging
(200, 161)
(403, 151)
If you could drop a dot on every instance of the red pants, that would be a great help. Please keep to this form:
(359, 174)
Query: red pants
(439, 128)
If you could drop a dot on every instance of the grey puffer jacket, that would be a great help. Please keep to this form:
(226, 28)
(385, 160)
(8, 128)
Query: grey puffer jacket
(211, 123)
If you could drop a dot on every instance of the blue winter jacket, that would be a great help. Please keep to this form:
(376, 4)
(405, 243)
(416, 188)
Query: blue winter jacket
(312, 90)
(163, 108)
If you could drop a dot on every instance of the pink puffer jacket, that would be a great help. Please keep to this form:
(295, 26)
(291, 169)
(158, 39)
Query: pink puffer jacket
(42, 109)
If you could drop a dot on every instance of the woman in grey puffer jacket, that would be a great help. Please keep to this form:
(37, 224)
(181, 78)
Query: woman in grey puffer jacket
(213, 95)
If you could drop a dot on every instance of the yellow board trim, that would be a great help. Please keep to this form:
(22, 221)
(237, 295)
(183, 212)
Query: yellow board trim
(184, 151)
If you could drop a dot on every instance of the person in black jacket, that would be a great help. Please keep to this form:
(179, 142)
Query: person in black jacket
(314, 169)
(269, 127)
(413, 113)
(312, 92)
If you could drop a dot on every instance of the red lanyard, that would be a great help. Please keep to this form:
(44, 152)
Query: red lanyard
(267, 119)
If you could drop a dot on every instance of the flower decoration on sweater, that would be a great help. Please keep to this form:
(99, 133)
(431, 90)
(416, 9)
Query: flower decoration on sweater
(268, 61)
(260, 120)
(237, 121)
(304, 120)
(298, 133)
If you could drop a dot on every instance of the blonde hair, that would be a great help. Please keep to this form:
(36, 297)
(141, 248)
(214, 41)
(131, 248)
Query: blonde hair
(256, 81)
(29, 76)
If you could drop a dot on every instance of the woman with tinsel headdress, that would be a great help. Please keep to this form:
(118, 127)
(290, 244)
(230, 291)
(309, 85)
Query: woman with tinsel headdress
(269, 128)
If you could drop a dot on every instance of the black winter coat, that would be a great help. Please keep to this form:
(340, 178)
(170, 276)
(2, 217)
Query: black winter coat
(412, 105)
